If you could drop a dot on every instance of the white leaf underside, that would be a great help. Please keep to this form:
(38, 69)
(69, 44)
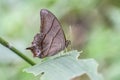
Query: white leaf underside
(66, 67)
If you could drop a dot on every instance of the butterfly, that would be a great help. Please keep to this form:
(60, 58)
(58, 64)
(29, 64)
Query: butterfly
(51, 38)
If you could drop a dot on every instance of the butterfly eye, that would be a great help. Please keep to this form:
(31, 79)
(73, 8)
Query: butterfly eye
(38, 52)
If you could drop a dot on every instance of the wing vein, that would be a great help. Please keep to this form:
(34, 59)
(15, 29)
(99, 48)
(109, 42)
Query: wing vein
(47, 33)
(53, 40)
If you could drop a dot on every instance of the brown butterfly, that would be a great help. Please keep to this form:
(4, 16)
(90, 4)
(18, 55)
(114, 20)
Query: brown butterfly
(51, 38)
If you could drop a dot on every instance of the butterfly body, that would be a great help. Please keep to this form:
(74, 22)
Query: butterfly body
(51, 38)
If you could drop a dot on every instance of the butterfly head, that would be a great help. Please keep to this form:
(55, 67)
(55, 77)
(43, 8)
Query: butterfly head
(36, 52)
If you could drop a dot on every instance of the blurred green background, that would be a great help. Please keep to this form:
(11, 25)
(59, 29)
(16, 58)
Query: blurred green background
(95, 29)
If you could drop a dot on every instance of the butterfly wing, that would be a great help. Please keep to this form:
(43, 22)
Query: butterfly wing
(51, 38)
(54, 38)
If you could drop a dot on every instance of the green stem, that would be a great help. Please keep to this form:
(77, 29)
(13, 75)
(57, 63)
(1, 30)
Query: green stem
(6, 44)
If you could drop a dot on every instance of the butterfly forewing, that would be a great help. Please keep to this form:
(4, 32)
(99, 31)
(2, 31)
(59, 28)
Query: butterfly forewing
(54, 40)
(46, 20)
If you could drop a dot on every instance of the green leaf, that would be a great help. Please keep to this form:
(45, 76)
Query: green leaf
(66, 67)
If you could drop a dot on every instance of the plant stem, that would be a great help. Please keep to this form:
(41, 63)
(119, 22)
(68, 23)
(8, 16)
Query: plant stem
(6, 44)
